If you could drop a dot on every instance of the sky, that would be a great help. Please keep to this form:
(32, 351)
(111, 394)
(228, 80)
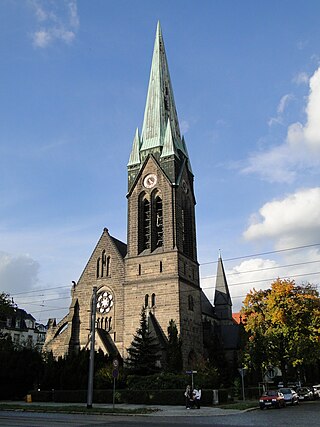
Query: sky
(74, 77)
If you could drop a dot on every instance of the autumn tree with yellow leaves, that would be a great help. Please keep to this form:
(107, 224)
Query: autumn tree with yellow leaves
(283, 327)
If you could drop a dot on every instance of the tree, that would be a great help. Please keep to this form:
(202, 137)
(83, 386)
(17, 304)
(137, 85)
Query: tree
(174, 353)
(6, 305)
(283, 326)
(144, 352)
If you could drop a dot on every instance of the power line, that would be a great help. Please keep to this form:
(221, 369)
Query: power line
(263, 253)
(263, 269)
(207, 263)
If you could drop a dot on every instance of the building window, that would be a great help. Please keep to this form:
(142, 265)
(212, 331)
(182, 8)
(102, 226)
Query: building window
(108, 266)
(153, 300)
(150, 222)
(103, 263)
(139, 269)
(158, 222)
(190, 302)
(98, 268)
(146, 300)
(160, 266)
(187, 228)
(146, 227)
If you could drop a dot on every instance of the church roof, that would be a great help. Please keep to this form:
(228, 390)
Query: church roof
(222, 294)
(206, 305)
(122, 247)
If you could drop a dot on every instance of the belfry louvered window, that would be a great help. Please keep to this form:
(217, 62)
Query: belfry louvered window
(150, 222)
(187, 228)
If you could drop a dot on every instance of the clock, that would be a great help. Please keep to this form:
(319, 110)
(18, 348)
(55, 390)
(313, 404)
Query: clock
(104, 302)
(150, 180)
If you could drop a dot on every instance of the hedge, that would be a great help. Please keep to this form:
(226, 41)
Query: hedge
(143, 397)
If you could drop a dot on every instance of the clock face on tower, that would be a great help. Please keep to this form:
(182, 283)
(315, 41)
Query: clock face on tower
(104, 302)
(150, 180)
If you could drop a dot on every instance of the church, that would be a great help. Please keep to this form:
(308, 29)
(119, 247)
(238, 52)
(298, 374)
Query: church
(157, 268)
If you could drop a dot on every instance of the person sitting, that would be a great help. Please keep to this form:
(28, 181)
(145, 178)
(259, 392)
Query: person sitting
(197, 397)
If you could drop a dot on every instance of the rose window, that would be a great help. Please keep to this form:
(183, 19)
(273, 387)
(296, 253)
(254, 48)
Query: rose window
(104, 302)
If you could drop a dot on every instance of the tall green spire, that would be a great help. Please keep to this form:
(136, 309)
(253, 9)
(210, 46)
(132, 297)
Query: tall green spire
(160, 134)
(160, 105)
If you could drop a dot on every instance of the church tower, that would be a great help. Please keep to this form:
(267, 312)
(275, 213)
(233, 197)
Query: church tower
(161, 267)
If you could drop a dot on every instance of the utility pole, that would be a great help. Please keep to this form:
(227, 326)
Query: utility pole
(92, 341)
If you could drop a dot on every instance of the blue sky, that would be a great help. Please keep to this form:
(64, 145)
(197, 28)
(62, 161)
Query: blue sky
(74, 76)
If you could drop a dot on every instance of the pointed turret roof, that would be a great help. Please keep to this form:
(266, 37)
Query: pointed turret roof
(222, 294)
(135, 152)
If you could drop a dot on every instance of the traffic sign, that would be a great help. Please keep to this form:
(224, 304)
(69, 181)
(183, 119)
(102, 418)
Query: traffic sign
(115, 373)
(115, 363)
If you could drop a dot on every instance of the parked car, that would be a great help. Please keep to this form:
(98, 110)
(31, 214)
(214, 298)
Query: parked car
(305, 393)
(316, 391)
(290, 396)
(272, 399)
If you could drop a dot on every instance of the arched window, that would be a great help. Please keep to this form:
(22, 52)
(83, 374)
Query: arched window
(187, 228)
(158, 222)
(146, 300)
(150, 222)
(144, 224)
(153, 300)
(108, 267)
(103, 263)
(190, 302)
(98, 268)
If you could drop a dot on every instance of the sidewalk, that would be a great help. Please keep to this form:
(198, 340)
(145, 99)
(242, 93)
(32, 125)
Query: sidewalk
(162, 410)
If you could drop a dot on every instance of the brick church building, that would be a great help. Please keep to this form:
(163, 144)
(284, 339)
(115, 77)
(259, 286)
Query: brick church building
(158, 267)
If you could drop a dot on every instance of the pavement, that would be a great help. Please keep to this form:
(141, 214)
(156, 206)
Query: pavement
(161, 410)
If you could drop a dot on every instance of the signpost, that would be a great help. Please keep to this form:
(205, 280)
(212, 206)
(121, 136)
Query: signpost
(191, 373)
(242, 372)
(115, 374)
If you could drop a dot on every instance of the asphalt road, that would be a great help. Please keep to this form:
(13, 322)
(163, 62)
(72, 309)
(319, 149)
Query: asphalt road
(304, 415)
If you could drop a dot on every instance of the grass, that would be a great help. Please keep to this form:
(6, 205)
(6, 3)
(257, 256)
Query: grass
(74, 409)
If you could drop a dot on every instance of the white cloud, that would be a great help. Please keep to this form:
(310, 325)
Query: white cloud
(18, 273)
(249, 274)
(301, 78)
(301, 149)
(57, 20)
(296, 215)
(284, 101)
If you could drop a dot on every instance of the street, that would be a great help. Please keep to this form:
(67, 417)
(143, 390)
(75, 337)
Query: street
(306, 414)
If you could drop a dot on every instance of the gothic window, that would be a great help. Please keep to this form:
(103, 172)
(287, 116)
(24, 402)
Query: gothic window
(187, 228)
(161, 267)
(153, 300)
(158, 221)
(103, 262)
(139, 269)
(98, 268)
(150, 222)
(144, 224)
(146, 300)
(106, 323)
(108, 267)
(190, 302)
(110, 323)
